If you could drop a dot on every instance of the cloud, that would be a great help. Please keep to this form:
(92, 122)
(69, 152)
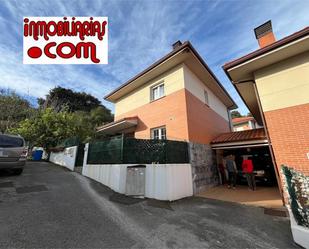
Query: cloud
(141, 32)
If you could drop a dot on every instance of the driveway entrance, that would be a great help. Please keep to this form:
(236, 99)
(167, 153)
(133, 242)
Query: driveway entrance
(244, 144)
(267, 197)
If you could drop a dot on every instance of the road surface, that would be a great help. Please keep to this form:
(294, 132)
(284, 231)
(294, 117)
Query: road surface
(51, 207)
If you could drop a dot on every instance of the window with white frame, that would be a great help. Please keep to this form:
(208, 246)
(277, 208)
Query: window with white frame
(158, 133)
(206, 97)
(157, 91)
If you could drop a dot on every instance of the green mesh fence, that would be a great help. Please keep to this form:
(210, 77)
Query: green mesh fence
(130, 150)
(108, 151)
(69, 142)
(297, 186)
(80, 155)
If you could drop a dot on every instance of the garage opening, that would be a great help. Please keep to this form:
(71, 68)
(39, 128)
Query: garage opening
(240, 145)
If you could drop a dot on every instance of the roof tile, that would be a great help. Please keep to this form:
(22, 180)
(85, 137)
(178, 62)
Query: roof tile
(238, 136)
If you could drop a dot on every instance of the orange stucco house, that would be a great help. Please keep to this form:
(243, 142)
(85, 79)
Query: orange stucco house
(176, 98)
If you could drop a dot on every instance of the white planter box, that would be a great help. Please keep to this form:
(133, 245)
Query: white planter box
(300, 233)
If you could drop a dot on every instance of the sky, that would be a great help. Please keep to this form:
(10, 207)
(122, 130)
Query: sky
(141, 32)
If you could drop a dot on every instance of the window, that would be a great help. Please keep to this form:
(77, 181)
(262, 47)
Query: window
(158, 133)
(10, 142)
(206, 97)
(157, 92)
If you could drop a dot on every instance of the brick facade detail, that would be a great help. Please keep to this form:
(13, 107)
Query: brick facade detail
(289, 134)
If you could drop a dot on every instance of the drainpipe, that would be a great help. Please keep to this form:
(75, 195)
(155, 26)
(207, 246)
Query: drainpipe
(230, 119)
(267, 134)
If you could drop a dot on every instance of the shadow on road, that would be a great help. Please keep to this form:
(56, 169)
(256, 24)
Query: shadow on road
(6, 173)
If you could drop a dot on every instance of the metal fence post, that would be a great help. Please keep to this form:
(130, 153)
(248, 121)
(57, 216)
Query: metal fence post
(121, 148)
(165, 151)
(85, 155)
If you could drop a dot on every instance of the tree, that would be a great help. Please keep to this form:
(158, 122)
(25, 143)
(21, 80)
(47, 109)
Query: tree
(63, 114)
(48, 128)
(249, 114)
(101, 115)
(60, 98)
(13, 109)
(235, 114)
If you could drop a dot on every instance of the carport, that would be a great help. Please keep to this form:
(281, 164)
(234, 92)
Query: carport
(252, 143)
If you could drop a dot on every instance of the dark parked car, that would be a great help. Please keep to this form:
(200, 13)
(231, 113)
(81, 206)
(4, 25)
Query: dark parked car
(13, 153)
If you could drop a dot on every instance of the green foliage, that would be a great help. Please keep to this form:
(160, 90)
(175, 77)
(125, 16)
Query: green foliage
(235, 114)
(47, 129)
(62, 115)
(60, 99)
(297, 186)
(101, 115)
(13, 109)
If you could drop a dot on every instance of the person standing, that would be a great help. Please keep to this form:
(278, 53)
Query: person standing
(232, 171)
(247, 168)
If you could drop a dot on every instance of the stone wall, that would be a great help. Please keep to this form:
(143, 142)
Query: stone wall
(204, 167)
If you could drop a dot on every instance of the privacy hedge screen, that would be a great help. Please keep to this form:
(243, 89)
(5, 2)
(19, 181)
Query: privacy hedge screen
(69, 142)
(135, 151)
(297, 186)
(107, 151)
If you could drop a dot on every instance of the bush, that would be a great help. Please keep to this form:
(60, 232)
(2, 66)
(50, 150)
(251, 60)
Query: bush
(297, 186)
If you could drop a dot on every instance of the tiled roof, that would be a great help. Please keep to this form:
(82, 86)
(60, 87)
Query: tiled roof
(241, 120)
(238, 136)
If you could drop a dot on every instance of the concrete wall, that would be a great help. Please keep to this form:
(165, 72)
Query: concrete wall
(204, 167)
(163, 181)
(65, 158)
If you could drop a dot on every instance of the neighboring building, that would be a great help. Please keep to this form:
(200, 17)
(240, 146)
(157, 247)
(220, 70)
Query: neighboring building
(273, 81)
(244, 123)
(176, 98)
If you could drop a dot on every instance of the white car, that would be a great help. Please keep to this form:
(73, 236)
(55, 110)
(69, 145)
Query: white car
(13, 153)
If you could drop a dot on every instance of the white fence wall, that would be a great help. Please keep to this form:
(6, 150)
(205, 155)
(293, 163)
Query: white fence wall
(65, 158)
(163, 181)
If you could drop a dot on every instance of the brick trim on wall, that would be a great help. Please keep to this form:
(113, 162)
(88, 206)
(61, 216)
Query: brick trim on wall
(289, 134)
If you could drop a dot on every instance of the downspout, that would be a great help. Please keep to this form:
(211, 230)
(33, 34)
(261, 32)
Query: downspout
(230, 118)
(267, 134)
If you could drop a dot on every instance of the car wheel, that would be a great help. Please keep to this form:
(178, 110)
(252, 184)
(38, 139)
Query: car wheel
(17, 171)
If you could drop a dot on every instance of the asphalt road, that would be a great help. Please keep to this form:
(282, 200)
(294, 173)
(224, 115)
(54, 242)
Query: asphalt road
(51, 207)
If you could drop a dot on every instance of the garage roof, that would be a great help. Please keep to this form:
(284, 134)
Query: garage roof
(118, 126)
(240, 136)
